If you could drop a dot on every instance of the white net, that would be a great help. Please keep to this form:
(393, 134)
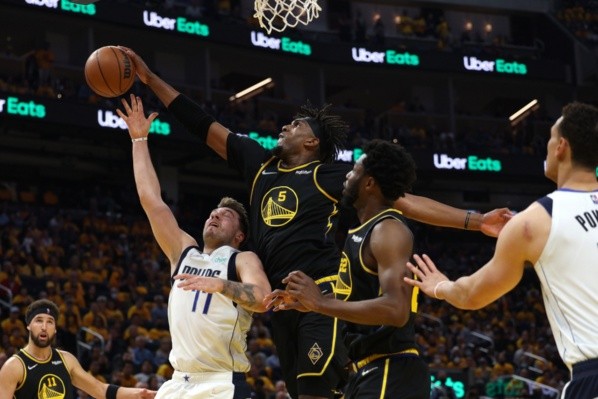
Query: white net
(280, 14)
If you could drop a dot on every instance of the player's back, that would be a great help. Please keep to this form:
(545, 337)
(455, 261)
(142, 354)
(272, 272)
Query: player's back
(566, 269)
(209, 331)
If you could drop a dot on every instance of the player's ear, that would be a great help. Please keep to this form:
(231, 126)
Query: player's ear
(312, 143)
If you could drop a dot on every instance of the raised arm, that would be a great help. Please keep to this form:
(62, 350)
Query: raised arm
(189, 113)
(432, 212)
(249, 292)
(520, 244)
(86, 382)
(166, 230)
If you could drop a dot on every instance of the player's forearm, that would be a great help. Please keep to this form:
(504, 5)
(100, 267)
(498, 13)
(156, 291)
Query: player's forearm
(378, 311)
(432, 212)
(165, 92)
(460, 294)
(249, 296)
(146, 180)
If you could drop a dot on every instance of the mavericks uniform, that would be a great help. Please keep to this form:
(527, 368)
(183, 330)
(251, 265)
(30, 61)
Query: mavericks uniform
(385, 359)
(47, 379)
(209, 333)
(293, 222)
(567, 269)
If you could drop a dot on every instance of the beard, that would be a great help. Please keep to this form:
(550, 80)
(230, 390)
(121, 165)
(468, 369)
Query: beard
(42, 344)
(350, 195)
(277, 151)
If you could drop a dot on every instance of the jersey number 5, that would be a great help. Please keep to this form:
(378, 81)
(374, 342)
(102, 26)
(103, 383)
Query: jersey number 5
(206, 305)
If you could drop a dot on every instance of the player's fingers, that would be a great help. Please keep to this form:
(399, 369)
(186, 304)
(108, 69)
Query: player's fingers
(126, 105)
(415, 270)
(410, 281)
(139, 103)
(423, 267)
(429, 263)
(121, 114)
(152, 116)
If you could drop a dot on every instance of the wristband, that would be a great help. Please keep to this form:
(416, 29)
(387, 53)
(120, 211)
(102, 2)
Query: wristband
(192, 116)
(467, 219)
(139, 139)
(111, 391)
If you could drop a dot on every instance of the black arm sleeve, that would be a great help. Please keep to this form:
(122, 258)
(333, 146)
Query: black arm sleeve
(192, 116)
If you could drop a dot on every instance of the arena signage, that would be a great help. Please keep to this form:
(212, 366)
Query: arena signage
(109, 119)
(284, 44)
(470, 162)
(390, 57)
(498, 65)
(65, 5)
(13, 106)
(179, 24)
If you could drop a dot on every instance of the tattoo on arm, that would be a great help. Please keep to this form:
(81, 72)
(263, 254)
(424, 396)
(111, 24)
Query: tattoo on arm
(240, 293)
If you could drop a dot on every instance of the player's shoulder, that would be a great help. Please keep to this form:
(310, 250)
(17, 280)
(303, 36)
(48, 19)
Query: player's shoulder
(335, 167)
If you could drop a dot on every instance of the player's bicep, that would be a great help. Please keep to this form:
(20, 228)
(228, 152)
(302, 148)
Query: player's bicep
(11, 374)
(251, 271)
(217, 138)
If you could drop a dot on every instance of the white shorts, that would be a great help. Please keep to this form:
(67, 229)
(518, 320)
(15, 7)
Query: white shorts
(205, 385)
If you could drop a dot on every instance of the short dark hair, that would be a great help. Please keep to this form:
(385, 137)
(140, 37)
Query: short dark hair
(580, 127)
(228, 202)
(332, 130)
(391, 166)
(41, 306)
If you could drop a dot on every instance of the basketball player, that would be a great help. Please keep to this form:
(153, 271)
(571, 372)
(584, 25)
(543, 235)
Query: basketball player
(40, 371)
(379, 308)
(558, 235)
(210, 312)
(294, 193)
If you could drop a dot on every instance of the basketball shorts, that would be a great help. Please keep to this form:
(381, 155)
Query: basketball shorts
(403, 376)
(206, 385)
(584, 381)
(311, 351)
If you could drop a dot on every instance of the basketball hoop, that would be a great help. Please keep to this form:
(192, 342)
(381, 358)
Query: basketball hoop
(280, 14)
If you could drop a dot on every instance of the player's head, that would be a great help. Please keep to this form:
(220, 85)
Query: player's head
(228, 224)
(384, 164)
(574, 135)
(315, 129)
(41, 318)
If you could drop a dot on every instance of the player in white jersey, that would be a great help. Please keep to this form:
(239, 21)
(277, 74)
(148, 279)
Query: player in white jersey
(558, 235)
(216, 288)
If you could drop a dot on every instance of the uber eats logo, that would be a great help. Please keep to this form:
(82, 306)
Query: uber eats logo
(14, 106)
(495, 66)
(65, 5)
(390, 57)
(284, 44)
(111, 120)
(471, 162)
(179, 24)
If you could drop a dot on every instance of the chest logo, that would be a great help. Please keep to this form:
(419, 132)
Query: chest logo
(279, 206)
(51, 386)
(342, 290)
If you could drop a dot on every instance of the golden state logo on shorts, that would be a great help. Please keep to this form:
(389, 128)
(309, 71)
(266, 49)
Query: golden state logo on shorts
(52, 387)
(279, 206)
(342, 290)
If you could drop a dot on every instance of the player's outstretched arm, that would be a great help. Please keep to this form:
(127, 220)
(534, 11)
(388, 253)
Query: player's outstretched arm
(166, 230)
(432, 212)
(86, 382)
(249, 292)
(189, 113)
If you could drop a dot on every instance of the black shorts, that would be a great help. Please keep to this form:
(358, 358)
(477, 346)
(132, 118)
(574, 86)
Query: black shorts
(404, 376)
(584, 381)
(311, 351)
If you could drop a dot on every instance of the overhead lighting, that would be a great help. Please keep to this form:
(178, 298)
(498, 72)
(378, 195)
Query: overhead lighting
(253, 90)
(524, 112)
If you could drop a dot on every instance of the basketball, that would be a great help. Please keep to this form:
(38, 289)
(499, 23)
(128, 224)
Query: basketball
(109, 72)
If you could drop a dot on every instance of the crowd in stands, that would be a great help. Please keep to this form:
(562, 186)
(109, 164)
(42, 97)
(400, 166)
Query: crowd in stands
(581, 17)
(92, 252)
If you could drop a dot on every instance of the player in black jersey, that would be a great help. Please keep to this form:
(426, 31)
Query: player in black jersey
(294, 194)
(378, 307)
(40, 371)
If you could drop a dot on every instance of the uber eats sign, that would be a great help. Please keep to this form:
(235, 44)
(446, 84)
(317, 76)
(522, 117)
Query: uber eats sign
(469, 162)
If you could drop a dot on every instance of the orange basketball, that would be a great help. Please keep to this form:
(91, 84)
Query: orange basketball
(109, 72)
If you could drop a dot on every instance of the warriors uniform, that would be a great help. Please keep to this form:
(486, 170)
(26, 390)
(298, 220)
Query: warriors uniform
(44, 379)
(385, 359)
(293, 222)
(209, 333)
(567, 269)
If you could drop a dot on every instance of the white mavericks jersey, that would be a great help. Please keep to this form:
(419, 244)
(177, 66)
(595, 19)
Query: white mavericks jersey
(568, 272)
(209, 331)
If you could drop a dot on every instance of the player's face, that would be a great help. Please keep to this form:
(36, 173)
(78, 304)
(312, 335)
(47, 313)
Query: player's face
(553, 142)
(292, 137)
(352, 183)
(222, 226)
(42, 330)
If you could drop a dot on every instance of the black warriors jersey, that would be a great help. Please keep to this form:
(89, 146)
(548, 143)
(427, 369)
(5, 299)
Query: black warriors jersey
(48, 379)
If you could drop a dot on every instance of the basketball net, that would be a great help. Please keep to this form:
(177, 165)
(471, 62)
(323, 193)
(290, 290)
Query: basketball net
(280, 14)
